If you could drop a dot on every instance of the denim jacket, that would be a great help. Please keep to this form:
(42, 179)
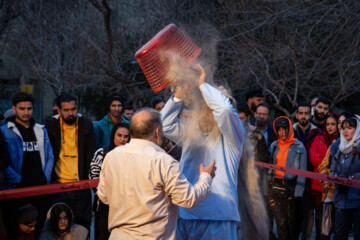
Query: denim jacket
(14, 144)
(296, 158)
(347, 166)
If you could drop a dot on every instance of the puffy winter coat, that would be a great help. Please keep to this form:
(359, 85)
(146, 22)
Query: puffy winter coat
(317, 152)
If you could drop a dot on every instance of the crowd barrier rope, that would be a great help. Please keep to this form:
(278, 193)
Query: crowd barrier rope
(85, 184)
(313, 175)
(48, 189)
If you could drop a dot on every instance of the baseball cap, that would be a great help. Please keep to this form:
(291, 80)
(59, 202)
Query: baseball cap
(282, 122)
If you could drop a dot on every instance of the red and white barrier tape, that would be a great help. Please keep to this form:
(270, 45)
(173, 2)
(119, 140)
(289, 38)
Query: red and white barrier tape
(85, 184)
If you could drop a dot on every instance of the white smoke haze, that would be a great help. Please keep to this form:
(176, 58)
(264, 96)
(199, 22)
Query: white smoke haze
(184, 76)
(180, 75)
(253, 213)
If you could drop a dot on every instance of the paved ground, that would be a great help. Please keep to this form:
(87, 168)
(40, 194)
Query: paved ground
(351, 237)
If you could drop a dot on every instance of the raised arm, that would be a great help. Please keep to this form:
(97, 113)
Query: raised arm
(224, 112)
(173, 128)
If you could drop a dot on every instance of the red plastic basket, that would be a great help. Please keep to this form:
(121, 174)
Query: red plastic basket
(151, 62)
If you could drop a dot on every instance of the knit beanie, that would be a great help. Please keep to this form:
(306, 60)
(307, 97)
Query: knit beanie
(115, 97)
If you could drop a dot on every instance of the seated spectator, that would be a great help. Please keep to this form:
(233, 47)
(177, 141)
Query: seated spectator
(59, 225)
(120, 135)
(26, 220)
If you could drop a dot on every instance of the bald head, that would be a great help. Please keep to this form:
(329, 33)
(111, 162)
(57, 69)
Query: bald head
(144, 123)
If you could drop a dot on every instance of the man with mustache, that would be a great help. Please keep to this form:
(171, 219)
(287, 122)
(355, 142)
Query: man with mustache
(30, 157)
(262, 123)
(72, 138)
(321, 110)
(305, 131)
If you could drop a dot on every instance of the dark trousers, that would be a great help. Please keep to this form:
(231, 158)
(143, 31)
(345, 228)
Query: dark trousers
(283, 209)
(101, 220)
(80, 203)
(309, 205)
(308, 215)
(270, 219)
(344, 218)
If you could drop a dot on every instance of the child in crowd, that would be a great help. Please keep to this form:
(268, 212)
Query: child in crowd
(26, 217)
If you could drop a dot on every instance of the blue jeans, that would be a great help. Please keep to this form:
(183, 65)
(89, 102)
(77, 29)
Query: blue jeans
(344, 218)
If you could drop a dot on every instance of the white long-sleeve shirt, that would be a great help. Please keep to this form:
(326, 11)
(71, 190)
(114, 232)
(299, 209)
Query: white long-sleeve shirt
(142, 184)
(222, 204)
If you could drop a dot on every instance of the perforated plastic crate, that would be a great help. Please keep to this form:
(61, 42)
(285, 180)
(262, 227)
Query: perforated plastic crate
(154, 66)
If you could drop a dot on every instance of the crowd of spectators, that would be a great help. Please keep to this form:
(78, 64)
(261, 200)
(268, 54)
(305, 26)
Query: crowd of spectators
(69, 148)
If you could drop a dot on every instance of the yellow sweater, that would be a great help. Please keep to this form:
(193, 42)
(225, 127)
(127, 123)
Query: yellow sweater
(66, 167)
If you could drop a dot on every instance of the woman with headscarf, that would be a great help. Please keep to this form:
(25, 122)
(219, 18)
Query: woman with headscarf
(287, 151)
(120, 135)
(345, 162)
(317, 153)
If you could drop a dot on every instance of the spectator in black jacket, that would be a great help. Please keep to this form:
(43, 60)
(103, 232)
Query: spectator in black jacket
(72, 138)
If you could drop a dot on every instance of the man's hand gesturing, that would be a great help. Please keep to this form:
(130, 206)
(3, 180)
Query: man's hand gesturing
(209, 169)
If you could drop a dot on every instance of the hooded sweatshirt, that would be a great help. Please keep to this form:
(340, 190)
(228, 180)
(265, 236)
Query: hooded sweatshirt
(77, 231)
(289, 153)
(281, 156)
(32, 173)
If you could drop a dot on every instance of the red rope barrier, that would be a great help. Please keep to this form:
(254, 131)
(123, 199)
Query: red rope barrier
(85, 184)
(48, 189)
(312, 175)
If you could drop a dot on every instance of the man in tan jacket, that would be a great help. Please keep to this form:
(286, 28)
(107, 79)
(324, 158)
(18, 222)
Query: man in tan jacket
(142, 184)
